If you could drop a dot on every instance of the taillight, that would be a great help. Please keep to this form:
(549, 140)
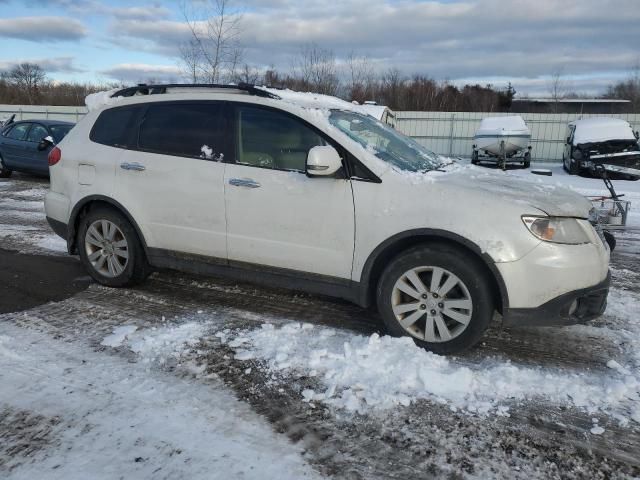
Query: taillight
(54, 156)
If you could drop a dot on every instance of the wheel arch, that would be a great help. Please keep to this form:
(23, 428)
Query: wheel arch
(393, 246)
(90, 202)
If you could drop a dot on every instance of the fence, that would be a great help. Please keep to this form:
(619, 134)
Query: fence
(28, 112)
(446, 133)
(451, 133)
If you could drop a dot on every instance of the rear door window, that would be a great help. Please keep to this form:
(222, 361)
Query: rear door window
(184, 129)
(37, 133)
(116, 127)
(19, 132)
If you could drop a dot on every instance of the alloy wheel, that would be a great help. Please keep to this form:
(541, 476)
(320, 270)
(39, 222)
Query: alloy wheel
(432, 304)
(107, 248)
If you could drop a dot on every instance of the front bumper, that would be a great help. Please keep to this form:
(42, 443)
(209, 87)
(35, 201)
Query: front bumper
(578, 306)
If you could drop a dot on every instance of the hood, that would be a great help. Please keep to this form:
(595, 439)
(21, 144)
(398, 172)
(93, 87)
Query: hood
(537, 193)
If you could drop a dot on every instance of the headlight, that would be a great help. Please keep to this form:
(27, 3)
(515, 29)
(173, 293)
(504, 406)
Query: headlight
(556, 229)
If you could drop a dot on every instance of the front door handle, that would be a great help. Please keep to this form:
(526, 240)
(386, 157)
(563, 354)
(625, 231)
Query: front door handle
(132, 166)
(244, 182)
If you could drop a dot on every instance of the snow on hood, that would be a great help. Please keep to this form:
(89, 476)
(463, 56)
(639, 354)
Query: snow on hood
(552, 199)
(97, 100)
(593, 130)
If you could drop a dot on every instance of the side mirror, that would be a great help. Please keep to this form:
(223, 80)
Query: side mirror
(323, 161)
(45, 143)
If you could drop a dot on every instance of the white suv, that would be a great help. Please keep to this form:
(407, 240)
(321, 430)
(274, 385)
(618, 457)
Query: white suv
(304, 191)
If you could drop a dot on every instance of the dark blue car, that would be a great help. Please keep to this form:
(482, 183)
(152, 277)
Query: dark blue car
(23, 146)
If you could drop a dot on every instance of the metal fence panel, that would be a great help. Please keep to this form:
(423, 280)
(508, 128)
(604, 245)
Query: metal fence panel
(446, 133)
(32, 112)
(449, 133)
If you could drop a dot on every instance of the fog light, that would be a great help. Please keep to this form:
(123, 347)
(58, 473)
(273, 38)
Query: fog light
(573, 307)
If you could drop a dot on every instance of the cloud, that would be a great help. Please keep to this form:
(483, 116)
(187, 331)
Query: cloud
(49, 65)
(443, 39)
(88, 7)
(149, 12)
(142, 72)
(40, 29)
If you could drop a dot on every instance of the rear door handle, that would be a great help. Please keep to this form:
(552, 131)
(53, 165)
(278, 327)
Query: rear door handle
(244, 182)
(132, 166)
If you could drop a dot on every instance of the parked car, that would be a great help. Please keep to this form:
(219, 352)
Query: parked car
(608, 141)
(25, 145)
(298, 191)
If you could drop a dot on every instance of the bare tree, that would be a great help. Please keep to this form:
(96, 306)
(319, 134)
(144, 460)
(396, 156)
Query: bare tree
(557, 87)
(214, 51)
(361, 78)
(317, 69)
(27, 78)
(247, 74)
(191, 60)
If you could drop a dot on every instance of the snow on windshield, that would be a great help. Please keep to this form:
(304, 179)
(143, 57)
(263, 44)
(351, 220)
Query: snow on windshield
(384, 142)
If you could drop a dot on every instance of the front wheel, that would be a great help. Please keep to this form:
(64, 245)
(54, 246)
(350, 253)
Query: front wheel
(574, 168)
(437, 295)
(110, 249)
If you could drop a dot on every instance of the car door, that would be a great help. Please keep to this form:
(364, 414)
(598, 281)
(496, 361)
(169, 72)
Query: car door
(172, 183)
(277, 216)
(36, 160)
(13, 145)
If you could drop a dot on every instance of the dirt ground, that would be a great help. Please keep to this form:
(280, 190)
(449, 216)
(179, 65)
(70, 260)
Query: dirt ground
(43, 290)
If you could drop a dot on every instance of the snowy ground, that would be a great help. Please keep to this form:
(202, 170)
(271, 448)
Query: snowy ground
(189, 377)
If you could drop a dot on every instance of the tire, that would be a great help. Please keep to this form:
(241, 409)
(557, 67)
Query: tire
(4, 171)
(452, 267)
(114, 258)
(610, 239)
(564, 164)
(574, 168)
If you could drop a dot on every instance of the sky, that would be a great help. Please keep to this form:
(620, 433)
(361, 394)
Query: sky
(592, 43)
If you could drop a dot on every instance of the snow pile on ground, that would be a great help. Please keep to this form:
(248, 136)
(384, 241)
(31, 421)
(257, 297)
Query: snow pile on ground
(104, 417)
(358, 373)
(158, 344)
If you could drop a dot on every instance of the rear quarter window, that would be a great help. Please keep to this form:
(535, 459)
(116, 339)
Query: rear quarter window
(116, 127)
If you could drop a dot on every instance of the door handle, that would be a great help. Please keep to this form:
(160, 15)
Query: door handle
(244, 182)
(132, 166)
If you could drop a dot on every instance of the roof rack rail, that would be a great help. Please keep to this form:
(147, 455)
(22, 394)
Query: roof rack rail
(144, 89)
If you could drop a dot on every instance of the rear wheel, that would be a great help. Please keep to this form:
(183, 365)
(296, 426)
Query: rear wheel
(4, 171)
(438, 296)
(110, 249)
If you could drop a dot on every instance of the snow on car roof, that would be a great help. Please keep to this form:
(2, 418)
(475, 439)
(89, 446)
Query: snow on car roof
(601, 129)
(311, 100)
(307, 100)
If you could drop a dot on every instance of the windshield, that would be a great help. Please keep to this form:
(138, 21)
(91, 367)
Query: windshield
(384, 142)
(60, 131)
